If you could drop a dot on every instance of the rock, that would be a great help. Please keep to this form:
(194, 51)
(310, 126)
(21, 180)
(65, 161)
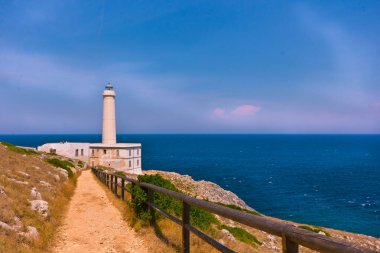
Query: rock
(56, 178)
(46, 184)
(63, 172)
(5, 226)
(41, 207)
(202, 189)
(36, 167)
(23, 174)
(321, 233)
(2, 192)
(221, 241)
(18, 182)
(35, 194)
(228, 234)
(18, 223)
(272, 238)
(31, 232)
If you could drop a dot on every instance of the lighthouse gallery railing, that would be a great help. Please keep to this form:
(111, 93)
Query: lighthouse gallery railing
(292, 236)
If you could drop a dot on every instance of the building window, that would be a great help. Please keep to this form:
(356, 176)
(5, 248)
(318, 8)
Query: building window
(130, 164)
(138, 151)
(118, 152)
(138, 161)
(104, 151)
(129, 152)
(93, 151)
(76, 152)
(81, 152)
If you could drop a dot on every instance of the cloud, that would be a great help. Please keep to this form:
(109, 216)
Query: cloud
(218, 112)
(246, 110)
(241, 111)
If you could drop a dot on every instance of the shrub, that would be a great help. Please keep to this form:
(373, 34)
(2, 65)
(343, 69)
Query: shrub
(198, 217)
(120, 173)
(315, 230)
(80, 163)
(19, 150)
(242, 235)
(64, 164)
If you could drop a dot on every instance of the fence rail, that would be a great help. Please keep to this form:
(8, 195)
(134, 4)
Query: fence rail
(291, 235)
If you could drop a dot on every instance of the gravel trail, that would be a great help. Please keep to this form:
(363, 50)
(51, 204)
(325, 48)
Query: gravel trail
(93, 224)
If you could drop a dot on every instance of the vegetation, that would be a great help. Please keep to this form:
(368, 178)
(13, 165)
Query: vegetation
(242, 235)
(315, 230)
(64, 164)
(198, 217)
(80, 164)
(19, 150)
(16, 202)
(120, 173)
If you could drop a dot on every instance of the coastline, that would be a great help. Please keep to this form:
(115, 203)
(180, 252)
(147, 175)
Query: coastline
(214, 193)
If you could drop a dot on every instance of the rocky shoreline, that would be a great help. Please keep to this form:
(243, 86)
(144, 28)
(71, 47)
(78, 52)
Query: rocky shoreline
(212, 192)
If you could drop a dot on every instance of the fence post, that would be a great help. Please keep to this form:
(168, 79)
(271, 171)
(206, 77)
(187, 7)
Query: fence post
(132, 187)
(111, 181)
(151, 202)
(122, 188)
(116, 185)
(185, 232)
(288, 246)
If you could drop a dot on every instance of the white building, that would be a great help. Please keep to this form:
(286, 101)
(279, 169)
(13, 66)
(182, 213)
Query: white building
(120, 156)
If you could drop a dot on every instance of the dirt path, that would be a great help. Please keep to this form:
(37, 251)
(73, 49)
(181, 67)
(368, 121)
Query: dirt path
(93, 224)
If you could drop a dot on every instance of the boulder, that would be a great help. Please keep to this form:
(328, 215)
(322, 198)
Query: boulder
(41, 207)
(63, 172)
(35, 194)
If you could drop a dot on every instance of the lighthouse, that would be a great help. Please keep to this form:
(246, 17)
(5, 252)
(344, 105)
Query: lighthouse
(109, 118)
(124, 157)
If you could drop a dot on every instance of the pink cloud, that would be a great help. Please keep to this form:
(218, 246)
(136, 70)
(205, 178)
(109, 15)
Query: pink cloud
(218, 112)
(246, 110)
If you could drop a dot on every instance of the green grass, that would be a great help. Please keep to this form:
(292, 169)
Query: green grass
(120, 173)
(242, 235)
(19, 150)
(198, 217)
(315, 230)
(64, 164)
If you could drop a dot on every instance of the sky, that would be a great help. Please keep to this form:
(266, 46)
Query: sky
(190, 66)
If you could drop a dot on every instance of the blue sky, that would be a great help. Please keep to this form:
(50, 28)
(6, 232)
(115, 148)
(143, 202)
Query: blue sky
(191, 66)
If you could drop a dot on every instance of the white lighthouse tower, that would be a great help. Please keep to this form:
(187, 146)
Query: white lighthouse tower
(109, 118)
(124, 157)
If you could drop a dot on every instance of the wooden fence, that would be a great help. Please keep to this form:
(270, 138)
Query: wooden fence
(292, 236)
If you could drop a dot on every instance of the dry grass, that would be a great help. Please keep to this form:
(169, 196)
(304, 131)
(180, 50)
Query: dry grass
(15, 203)
(166, 236)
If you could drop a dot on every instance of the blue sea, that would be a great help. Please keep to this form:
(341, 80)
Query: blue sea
(325, 180)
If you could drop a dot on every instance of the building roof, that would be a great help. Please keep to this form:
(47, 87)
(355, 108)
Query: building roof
(117, 145)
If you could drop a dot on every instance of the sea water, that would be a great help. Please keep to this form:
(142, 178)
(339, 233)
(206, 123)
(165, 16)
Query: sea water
(324, 180)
